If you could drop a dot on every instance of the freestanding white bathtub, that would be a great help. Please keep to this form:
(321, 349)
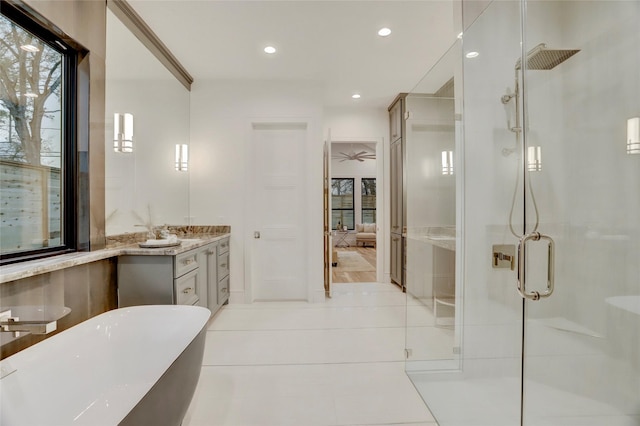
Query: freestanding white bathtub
(130, 366)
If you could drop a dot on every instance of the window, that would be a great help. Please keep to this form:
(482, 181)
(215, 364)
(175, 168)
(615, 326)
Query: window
(368, 200)
(37, 139)
(342, 212)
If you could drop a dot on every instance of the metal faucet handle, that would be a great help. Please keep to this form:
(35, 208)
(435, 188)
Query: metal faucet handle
(33, 327)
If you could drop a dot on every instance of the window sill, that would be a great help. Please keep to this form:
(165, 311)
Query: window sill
(17, 271)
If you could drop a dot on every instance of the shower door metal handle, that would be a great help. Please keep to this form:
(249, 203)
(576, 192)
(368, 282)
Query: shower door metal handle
(522, 247)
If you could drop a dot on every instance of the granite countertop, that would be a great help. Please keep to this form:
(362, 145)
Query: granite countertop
(31, 268)
(442, 242)
(187, 244)
(440, 236)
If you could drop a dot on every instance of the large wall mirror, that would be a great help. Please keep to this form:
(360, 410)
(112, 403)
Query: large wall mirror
(147, 130)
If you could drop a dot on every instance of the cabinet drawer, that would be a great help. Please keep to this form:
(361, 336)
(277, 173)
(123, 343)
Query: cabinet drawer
(185, 262)
(223, 265)
(223, 290)
(223, 246)
(395, 121)
(186, 289)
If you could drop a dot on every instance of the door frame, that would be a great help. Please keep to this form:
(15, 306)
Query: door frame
(326, 216)
(383, 261)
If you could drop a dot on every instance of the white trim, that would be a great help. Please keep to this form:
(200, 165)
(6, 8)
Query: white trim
(382, 203)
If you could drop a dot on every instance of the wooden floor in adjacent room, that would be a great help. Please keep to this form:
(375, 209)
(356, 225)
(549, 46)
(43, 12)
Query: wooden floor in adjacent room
(353, 275)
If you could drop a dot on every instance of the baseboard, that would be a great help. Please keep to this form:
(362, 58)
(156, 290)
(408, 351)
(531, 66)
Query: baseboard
(317, 296)
(237, 297)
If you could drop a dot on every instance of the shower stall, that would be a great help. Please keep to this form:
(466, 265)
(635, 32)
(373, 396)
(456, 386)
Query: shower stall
(523, 217)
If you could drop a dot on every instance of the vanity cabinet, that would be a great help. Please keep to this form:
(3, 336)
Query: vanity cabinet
(208, 265)
(397, 188)
(395, 120)
(195, 277)
(213, 263)
(223, 272)
(396, 258)
(158, 280)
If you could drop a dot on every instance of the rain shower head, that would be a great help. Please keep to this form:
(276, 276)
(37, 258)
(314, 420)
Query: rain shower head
(541, 58)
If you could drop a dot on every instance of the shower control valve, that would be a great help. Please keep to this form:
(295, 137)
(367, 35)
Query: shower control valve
(504, 256)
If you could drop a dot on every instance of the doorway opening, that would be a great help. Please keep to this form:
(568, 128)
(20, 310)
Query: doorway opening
(354, 212)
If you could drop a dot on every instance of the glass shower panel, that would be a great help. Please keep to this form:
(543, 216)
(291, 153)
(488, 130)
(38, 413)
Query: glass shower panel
(430, 172)
(582, 344)
(479, 383)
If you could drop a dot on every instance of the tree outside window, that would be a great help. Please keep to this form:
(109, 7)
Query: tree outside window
(34, 135)
(342, 206)
(368, 200)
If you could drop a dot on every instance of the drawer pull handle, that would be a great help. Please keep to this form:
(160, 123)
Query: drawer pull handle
(187, 290)
(211, 252)
(187, 261)
(223, 265)
(223, 289)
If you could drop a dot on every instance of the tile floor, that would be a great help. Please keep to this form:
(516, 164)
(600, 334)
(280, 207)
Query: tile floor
(336, 363)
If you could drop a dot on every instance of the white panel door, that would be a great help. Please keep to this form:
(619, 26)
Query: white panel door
(279, 253)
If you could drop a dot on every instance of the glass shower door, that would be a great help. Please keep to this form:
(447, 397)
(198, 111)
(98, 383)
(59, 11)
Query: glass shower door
(581, 109)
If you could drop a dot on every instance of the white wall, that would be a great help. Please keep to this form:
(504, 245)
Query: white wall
(221, 117)
(352, 169)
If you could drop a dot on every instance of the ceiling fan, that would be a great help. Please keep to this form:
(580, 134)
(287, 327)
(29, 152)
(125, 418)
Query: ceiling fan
(352, 155)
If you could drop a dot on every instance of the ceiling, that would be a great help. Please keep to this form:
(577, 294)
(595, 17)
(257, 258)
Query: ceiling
(331, 43)
(353, 151)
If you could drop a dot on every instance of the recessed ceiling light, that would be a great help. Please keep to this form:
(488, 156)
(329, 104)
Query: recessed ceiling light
(472, 55)
(270, 49)
(356, 96)
(29, 48)
(383, 32)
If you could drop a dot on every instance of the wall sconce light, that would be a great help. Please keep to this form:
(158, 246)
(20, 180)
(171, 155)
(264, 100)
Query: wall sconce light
(534, 158)
(123, 132)
(182, 157)
(633, 135)
(447, 162)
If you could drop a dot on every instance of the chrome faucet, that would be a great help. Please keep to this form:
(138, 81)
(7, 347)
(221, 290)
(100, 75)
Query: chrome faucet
(13, 324)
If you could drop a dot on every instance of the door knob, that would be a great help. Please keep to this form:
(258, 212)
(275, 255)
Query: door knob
(256, 235)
